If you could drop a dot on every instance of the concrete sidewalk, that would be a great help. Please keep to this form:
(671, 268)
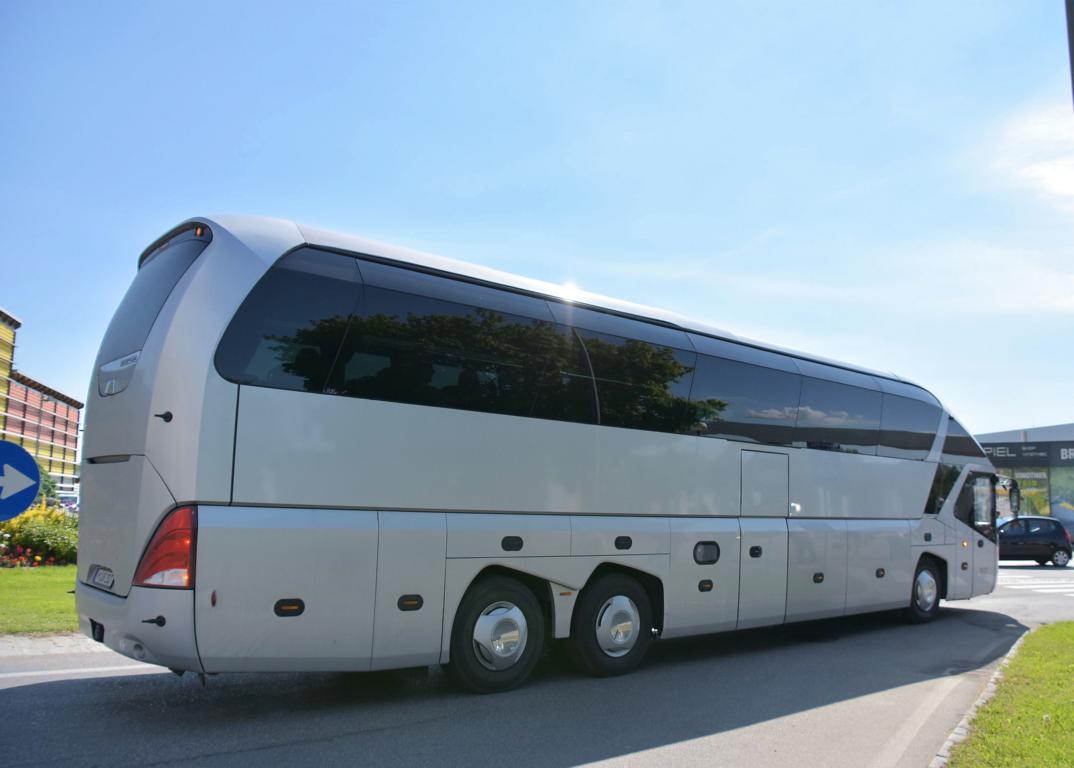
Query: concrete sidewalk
(47, 645)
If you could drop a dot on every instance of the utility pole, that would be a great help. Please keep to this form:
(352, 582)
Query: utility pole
(1070, 40)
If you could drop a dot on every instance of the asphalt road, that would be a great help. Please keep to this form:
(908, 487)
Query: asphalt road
(864, 691)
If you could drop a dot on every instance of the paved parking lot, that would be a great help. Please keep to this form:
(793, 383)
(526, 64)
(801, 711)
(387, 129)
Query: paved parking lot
(862, 691)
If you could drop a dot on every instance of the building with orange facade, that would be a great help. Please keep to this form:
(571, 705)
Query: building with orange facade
(41, 419)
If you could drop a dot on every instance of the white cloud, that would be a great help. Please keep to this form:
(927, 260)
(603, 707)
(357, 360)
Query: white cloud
(1035, 150)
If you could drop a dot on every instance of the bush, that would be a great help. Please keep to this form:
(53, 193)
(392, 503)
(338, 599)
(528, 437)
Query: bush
(39, 536)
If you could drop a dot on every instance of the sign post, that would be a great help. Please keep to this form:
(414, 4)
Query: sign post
(20, 478)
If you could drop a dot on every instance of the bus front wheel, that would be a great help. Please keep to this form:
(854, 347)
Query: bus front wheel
(924, 593)
(612, 626)
(497, 637)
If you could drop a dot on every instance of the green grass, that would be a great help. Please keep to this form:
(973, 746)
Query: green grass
(1030, 720)
(35, 600)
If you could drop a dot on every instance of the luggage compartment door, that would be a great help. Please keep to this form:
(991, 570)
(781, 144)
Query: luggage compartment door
(285, 589)
(702, 594)
(763, 552)
(816, 569)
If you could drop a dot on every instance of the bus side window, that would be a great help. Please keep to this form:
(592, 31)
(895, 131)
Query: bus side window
(838, 417)
(288, 330)
(740, 401)
(423, 350)
(640, 385)
(907, 427)
(960, 445)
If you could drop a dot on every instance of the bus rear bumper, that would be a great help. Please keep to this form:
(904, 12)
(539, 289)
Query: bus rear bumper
(151, 625)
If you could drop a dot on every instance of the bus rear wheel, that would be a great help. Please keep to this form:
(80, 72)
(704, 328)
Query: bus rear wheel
(497, 637)
(924, 593)
(612, 626)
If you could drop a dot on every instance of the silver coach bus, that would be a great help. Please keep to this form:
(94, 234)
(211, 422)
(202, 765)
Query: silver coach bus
(307, 451)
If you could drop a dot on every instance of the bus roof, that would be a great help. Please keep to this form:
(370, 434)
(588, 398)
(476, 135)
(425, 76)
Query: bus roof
(316, 236)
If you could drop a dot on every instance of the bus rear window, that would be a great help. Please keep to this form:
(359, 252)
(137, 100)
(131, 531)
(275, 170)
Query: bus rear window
(156, 278)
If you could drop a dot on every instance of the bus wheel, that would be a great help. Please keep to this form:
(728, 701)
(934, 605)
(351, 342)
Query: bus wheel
(925, 594)
(612, 626)
(497, 637)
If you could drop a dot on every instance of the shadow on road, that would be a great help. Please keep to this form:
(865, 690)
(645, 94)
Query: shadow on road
(686, 689)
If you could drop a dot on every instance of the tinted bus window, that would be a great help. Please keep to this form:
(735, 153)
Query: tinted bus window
(289, 330)
(739, 401)
(567, 391)
(959, 445)
(156, 278)
(942, 482)
(907, 427)
(640, 385)
(416, 349)
(837, 417)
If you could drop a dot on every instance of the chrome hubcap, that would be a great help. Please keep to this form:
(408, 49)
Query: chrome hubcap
(925, 591)
(1061, 557)
(617, 626)
(500, 636)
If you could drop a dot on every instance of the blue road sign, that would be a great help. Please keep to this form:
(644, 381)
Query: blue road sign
(20, 478)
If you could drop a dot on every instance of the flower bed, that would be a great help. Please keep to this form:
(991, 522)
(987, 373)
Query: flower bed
(38, 537)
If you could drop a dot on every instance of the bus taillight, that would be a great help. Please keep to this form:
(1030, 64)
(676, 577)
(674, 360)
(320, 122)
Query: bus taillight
(168, 561)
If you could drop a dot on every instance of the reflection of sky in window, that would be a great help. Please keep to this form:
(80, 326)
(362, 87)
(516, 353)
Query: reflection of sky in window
(772, 414)
(815, 417)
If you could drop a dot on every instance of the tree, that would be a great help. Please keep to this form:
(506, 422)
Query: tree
(47, 490)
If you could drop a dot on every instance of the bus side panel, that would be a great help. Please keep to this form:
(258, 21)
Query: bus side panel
(616, 536)
(410, 562)
(833, 484)
(305, 449)
(692, 607)
(651, 473)
(255, 562)
(816, 569)
(477, 535)
(878, 565)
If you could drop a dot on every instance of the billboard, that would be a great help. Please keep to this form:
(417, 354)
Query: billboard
(1044, 471)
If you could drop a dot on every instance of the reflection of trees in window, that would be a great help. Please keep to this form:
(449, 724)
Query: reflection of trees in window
(641, 385)
(309, 353)
(483, 360)
(740, 401)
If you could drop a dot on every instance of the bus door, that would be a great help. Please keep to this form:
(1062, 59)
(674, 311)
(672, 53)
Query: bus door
(985, 548)
(977, 553)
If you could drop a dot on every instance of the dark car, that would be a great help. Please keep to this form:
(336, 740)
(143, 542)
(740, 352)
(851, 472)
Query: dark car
(1030, 537)
(1065, 516)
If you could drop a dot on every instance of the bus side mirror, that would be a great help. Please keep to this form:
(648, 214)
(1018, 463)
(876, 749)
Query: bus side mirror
(1016, 500)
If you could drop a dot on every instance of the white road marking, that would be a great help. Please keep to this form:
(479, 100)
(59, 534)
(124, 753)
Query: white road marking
(147, 668)
(1045, 582)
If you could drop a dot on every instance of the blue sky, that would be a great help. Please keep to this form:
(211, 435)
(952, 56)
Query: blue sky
(887, 184)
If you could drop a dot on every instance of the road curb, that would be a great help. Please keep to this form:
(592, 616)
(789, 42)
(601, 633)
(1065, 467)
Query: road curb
(962, 730)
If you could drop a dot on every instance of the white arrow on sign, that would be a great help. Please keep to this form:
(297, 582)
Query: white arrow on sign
(13, 481)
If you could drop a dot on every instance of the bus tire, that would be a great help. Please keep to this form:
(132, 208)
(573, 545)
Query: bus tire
(497, 637)
(611, 628)
(924, 593)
